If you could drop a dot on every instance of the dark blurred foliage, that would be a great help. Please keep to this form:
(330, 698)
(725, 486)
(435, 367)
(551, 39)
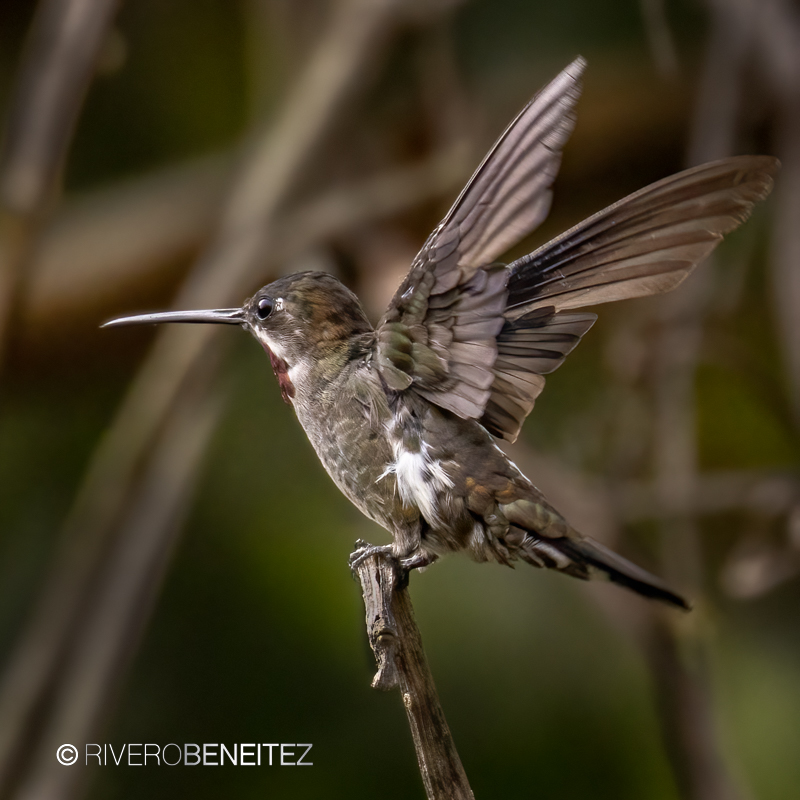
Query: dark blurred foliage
(257, 633)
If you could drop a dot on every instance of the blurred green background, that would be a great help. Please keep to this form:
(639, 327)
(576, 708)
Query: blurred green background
(257, 634)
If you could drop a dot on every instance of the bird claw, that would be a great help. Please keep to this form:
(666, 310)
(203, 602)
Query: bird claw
(417, 560)
(364, 550)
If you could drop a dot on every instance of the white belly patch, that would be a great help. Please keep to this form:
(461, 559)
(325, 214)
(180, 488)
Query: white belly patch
(420, 481)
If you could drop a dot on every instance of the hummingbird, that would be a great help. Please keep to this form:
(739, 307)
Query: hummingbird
(405, 416)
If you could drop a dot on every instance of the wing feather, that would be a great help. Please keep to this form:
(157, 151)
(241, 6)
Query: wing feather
(528, 348)
(477, 338)
(646, 243)
(453, 291)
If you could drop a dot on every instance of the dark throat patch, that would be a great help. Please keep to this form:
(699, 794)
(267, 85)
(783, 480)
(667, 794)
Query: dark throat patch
(281, 370)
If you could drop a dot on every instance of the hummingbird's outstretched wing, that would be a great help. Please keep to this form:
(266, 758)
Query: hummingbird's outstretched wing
(440, 328)
(644, 244)
(476, 338)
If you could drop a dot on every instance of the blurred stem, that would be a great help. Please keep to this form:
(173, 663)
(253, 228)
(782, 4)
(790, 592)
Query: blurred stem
(659, 37)
(785, 254)
(148, 223)
(57, 67)
(678, 655)
(685, 702)
(445, 101)
(777, 40)
(124, 593)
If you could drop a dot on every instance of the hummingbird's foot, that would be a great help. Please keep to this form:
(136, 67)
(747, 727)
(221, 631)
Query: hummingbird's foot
(418, 560)
(364, 550)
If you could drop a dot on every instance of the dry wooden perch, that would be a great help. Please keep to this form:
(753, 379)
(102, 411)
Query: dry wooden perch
(397, 644)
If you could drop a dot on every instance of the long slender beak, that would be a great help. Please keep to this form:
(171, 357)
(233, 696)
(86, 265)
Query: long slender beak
(226, 316)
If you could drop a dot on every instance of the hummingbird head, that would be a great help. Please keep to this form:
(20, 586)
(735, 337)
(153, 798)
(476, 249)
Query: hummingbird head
(305, 316)
(308, 323)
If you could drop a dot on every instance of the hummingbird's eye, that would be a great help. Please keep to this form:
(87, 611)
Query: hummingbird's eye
(264, 307)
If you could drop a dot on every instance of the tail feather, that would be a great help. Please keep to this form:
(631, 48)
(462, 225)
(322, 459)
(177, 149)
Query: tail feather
(584, 558)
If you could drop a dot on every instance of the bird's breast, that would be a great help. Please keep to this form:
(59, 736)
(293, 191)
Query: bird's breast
(347, 426)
